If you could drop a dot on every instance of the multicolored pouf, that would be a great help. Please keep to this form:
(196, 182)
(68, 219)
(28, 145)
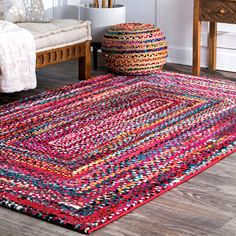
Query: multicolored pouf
(134, 49)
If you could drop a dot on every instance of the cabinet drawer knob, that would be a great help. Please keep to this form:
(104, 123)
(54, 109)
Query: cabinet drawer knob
(222, 11)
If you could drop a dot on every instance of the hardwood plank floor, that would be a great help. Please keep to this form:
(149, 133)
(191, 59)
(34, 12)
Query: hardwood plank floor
(205, 205)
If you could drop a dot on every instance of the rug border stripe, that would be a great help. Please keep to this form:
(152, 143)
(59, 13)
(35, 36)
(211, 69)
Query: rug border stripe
(213, 162)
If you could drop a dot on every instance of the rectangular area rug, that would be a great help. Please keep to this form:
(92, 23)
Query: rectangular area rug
(84, 155)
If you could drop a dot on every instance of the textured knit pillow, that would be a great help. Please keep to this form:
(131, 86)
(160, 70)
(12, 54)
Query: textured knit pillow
(35, 11)
(24, 11)
(13, 11)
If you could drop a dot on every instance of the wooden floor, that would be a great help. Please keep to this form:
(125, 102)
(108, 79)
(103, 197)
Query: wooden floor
(205, 205)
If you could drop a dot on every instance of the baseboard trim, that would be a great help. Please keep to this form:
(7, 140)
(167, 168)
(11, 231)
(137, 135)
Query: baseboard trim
(226, 58)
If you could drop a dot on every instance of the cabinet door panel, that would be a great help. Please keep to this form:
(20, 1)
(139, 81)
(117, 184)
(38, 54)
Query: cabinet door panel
(218, 11)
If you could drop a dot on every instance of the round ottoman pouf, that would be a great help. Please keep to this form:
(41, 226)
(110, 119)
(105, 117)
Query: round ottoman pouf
(134, 49)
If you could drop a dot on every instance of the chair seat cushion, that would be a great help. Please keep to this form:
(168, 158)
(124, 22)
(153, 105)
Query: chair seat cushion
(58, 33)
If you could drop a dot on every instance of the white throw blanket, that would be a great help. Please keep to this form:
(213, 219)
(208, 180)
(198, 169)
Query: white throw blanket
(17, 58)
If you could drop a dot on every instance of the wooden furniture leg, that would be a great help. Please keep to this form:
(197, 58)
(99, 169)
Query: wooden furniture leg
(196, 39)
(81, 51)
(212, 46)
(85, 63)
(96, 47)
(95, 56)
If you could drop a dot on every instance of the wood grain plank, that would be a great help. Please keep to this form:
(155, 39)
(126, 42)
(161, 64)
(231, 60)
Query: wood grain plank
(230, 226)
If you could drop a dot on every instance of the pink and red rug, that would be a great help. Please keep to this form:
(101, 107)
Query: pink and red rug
(86, 154)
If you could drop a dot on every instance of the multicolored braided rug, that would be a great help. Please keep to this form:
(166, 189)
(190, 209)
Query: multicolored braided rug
(84, 155)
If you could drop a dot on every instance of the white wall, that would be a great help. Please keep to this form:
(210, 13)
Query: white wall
(174, 17)
(140, 11)
(62, 8)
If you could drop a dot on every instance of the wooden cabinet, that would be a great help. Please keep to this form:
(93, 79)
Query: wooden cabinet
(213, 11)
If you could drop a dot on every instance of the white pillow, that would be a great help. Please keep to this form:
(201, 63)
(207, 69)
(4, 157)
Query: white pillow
(14, 11)
(19, 11)
(35, 11)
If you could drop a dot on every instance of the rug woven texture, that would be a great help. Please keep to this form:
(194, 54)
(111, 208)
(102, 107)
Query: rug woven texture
(83, 155)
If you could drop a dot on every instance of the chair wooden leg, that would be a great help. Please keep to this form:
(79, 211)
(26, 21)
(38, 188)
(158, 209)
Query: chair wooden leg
(85, 64)
(96, 47)
(95, 57)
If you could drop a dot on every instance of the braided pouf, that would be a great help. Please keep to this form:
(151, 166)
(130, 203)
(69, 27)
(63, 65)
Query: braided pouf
(134, 49)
